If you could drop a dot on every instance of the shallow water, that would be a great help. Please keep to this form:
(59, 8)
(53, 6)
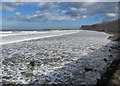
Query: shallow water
(19, 36)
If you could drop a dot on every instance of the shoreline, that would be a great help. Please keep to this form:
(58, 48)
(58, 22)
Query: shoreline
(93, 46)
(112, 66)
(108, 77)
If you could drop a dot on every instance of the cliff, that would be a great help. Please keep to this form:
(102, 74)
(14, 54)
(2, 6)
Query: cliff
(109, 27)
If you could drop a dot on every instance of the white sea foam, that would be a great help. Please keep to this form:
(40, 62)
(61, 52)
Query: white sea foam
(26, 35)
(59, 60)
(10, 33)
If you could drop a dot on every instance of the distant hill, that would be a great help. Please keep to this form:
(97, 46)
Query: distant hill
(109, 27)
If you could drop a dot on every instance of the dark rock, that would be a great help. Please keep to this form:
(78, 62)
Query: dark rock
(109, 50)
(105, 59)
(91, 48)
(111, 55)
(88, 69)
(105, 45)
(6, 77)
(32, 63)
(111, 47)
(118, 46)
(114, 47)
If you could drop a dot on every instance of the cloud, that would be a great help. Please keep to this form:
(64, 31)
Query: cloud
(43, 17)
(109, 10)
(66, 11)
(6, 8)
(92, 8)
(61, 0)
(10, 6)
(76, 11)
(37, 12)
(47, 5)
(18, 13)
(84, 16)
(111, 14)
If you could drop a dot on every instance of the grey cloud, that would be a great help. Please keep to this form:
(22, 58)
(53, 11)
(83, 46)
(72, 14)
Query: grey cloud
(52, 11)
(47, 5)
(10, 6)
(93, 8)
(7, 8)
(44, 17)
(107, 19)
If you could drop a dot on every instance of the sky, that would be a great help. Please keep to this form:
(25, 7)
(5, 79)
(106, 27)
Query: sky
(55, 15)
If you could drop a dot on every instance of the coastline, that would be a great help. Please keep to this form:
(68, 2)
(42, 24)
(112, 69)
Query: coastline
(75, 63)
(109, 77)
